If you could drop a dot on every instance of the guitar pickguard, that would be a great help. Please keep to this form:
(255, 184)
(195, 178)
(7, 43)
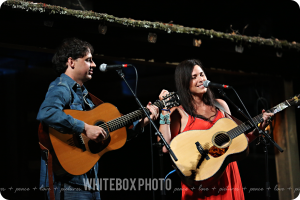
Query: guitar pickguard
(217, 152)
(98, 147)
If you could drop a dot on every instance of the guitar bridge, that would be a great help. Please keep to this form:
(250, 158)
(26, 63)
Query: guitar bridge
(202, 151)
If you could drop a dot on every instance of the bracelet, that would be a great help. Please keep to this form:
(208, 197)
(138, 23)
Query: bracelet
(166, 110)
(164, 119)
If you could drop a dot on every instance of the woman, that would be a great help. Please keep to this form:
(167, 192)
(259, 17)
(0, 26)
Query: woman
(198, 112)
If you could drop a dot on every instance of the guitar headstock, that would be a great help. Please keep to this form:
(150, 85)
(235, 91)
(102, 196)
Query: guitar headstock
(294, 101)
(171, 100)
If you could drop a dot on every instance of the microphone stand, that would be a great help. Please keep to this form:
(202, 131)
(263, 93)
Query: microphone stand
(159, 146)
(266, 144)
(251, 120)
(263, 139)
(238, 109)
(146, 113)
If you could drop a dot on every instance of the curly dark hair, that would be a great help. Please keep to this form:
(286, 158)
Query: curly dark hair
(71, 47)
(183, 76)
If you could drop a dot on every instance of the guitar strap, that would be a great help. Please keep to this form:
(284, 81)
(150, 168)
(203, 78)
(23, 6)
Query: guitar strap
(47, 148)
(218, 105)
(95, 99)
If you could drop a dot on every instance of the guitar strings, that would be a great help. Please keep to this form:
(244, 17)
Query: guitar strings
(117, 122)
(234, 132)
(126, 118)
(114, 124)
(135, 115)
(237, 130)
(244, 127)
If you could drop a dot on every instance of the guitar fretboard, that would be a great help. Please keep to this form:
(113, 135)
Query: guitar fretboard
(246, 126)
(127, 119)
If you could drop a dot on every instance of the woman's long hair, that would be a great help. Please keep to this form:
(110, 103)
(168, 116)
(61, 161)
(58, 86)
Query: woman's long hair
(183, 76)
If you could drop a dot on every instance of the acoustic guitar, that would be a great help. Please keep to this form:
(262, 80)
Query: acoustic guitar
(78, 154)
(204, 154)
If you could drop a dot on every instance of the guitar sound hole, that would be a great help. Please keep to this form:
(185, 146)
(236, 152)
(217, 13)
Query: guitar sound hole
(222, 140)
(97, 147)
(103, 125)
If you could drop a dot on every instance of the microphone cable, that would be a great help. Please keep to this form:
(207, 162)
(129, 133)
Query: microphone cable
(136, 79)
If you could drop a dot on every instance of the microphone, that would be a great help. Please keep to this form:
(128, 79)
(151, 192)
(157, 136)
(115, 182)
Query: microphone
(104, 67)
(207, 84)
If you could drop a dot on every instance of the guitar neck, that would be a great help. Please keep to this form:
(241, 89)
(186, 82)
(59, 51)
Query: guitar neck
(128, 118)
(246, 126)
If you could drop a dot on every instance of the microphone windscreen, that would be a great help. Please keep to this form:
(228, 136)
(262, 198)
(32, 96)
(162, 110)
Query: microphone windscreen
(205, 83)
(103, 67)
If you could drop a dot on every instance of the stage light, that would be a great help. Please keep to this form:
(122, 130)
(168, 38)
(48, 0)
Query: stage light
(152, 37)
(197, 43)
(102, 29)
(279, 54)
(239, 49)
(48, 23)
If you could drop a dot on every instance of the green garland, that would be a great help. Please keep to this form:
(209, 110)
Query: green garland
(169, 28)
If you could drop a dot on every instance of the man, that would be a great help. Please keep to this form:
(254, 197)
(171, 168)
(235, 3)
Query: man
(73, 60)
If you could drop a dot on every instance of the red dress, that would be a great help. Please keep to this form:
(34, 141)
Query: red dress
(229, 186)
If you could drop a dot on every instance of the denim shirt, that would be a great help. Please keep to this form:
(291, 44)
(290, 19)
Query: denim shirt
(65, 93)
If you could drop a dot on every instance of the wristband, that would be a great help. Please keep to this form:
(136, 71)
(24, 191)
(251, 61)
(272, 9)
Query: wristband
(164, 119)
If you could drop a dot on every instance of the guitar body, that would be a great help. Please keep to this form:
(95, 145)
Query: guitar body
(196, 169)
(69, 153)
